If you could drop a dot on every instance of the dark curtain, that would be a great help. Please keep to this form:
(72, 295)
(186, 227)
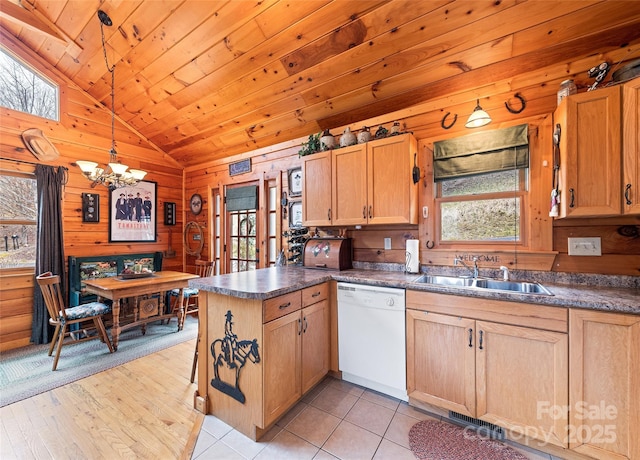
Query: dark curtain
(50, 243)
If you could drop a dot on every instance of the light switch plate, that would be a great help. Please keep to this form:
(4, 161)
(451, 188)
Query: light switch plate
(585, 246)
(387, 243)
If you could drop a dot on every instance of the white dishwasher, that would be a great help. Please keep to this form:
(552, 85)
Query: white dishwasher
(371, 337)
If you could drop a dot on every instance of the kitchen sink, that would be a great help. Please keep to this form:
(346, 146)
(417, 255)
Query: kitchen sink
(518, 287)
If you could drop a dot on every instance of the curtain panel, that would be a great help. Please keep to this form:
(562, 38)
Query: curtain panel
(50, 243)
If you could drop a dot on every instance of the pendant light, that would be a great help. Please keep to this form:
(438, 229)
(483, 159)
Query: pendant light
(478, 117)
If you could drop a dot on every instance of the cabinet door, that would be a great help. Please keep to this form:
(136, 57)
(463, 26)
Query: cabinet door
(441, 361)
(631, 147)
(349, 185)
(315, 344)
(591, 154)
(604, 384)
(522, 380)
(316, 190)
(391, 193)
(281, 365)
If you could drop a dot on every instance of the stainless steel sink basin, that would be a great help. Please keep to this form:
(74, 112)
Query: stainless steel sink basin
(518, 287)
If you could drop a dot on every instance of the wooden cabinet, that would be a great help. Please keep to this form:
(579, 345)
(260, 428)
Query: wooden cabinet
(296, 350)
(594, 128)
(604, 384)
(475, 357)
(365, 184)
(631, 146)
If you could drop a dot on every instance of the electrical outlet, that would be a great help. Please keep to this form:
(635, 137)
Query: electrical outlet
(585, 247)
(387, 243)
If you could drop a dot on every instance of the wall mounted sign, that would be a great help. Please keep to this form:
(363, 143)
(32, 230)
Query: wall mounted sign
(195, 203)
(295, 181)
(295, 213)
(169, 213)
(90, 207)
(231, 353)
(240, 167)
(132, 213)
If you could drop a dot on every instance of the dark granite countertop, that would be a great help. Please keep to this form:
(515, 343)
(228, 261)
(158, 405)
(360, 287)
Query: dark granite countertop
(271, 282)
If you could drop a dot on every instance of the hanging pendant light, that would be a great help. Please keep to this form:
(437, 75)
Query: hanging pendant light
(478, 117)
(116, 174)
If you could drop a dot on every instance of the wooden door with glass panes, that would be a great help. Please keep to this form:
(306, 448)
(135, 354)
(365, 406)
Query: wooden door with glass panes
(242, 249)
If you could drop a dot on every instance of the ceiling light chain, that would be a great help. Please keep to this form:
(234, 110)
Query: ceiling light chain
(118, 176)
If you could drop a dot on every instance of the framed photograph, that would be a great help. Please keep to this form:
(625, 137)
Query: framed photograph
(90, 207)
(132, 213)
(295, 214)
(295, 181)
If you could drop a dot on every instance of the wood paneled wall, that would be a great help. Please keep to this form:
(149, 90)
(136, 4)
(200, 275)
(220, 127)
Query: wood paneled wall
(84, 132)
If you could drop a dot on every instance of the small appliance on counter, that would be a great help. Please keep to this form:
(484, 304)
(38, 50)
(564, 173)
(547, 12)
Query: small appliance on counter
(327, 253)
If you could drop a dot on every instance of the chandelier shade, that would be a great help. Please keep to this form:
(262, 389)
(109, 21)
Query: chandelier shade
(116, 174)
(478, 117)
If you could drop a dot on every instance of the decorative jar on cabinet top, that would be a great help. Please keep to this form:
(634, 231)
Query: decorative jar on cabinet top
(364, 135)
(327, 141)
(347, 138)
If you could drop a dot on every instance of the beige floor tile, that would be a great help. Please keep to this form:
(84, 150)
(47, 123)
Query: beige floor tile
(313, 425)
(334, 401)
(205, 440)
(370, 416)
(398, 430)
(391, 451)
(243, 445)
(315, 391)
(350, 442)
(381, 400)
(418, 414)
(347, 387)
(220, 451)
(215, 426)
(293, 413)
(531, 454)
(287, 446)
(322, 455)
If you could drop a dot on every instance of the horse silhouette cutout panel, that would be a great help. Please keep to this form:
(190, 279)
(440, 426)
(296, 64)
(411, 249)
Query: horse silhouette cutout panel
(232, 354)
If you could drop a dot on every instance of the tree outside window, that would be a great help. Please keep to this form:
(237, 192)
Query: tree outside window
(18, 220)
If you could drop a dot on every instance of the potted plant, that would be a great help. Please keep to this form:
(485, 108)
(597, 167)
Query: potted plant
(311, 146)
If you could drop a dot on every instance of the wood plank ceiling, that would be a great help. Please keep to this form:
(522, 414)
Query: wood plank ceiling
(203, 80)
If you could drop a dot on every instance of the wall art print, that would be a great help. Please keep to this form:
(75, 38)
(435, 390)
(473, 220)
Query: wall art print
(231, 353)
(132, 213)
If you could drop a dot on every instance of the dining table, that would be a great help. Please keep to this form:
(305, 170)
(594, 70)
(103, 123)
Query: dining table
(147, 306)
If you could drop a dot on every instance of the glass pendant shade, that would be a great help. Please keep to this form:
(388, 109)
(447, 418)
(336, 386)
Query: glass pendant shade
(138, 174)
(118, 168)
(87, 167)
(478, 117)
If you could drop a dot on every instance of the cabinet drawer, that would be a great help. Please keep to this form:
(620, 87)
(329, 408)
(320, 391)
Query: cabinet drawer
(315, 294)
(280, 306)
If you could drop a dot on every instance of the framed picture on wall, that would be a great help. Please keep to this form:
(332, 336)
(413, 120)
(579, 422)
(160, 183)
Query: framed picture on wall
(295, 181)
(132, 213)
(295, 214)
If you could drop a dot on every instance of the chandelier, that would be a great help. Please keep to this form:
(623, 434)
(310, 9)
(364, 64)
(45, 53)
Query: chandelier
(116, 174)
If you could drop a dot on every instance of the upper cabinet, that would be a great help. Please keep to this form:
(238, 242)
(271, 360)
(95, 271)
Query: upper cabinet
(598, 147)
(367, 183)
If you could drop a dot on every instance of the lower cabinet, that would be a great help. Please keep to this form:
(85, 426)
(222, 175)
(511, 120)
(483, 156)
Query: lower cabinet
(604, 384)
(296, 352)
(501, 362)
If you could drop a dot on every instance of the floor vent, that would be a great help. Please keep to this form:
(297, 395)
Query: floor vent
(480, 426)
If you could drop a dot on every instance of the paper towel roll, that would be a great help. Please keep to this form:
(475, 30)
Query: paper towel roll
(413, 256)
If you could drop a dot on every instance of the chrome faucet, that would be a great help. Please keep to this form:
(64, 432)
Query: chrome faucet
(505, 273)
(474, 271)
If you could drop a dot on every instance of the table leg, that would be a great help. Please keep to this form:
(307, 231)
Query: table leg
(115, 330)
(181, 312)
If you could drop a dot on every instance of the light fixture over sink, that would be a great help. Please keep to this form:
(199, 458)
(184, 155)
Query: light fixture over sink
(478, 117)
(116, 174)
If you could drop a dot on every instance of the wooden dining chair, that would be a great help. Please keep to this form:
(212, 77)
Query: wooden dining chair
(203, 269)
(62, 316)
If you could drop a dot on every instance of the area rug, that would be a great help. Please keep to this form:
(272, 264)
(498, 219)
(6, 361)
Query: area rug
(26, 372)
(434, 440)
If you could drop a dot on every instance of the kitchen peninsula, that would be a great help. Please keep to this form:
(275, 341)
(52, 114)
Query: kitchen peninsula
(267, 336)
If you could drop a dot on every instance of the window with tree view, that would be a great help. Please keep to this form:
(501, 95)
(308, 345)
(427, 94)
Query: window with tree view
(485, 208)
(18, 218)
(24, 89)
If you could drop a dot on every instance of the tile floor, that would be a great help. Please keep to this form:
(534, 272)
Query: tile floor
(335, 420)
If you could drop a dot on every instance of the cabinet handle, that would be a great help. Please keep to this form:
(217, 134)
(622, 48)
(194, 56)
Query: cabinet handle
(299, 326)
(481, 333)
(284, 305)
(364, 212)
(329, 214)
(626, 194)
(305, 325)
(315, 294)
(370, 212)
(470, 338)
(571, 204)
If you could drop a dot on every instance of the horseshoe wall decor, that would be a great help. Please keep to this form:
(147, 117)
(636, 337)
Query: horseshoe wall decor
(522, 101)
(455, 118)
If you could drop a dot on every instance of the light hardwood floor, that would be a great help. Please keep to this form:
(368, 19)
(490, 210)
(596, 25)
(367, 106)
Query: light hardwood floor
(140, 410)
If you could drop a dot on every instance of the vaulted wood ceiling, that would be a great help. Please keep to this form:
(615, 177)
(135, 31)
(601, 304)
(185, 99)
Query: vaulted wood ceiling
(208, 79)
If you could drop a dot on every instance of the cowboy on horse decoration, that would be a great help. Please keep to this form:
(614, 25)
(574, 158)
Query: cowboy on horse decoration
(232, 354)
